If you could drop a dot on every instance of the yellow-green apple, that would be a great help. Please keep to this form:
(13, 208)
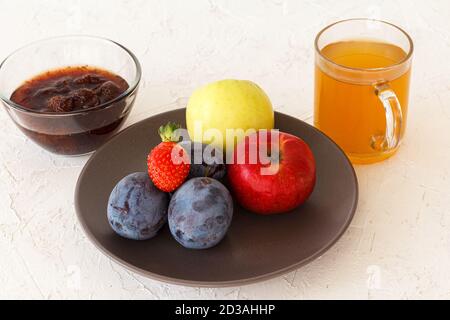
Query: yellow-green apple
(279, 185)
(227, 104)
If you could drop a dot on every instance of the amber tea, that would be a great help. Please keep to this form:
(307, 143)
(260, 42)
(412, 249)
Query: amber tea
(361, 96)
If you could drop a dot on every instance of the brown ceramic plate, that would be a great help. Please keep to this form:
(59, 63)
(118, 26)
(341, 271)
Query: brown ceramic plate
(255, 247)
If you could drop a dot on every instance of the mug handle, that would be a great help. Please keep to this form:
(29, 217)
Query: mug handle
(394, 118)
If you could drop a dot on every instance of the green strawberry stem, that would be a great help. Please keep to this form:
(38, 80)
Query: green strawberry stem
(168, 132)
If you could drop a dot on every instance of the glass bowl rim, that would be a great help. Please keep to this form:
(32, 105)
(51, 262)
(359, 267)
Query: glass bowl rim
(133, 86)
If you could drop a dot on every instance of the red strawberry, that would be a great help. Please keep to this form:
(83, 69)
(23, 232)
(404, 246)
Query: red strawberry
(168, 163)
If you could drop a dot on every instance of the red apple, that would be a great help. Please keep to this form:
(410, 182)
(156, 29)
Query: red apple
(275, 187)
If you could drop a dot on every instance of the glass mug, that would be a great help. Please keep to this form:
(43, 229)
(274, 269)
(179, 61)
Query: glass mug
(362, 72)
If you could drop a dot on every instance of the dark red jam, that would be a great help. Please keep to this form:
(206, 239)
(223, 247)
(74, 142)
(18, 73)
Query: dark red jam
(69, 89)
(66, 90)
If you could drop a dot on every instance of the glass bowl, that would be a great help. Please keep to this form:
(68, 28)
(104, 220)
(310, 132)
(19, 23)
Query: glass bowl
(76, 132)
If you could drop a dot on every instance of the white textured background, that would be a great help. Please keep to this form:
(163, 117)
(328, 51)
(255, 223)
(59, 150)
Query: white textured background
(398, 245)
